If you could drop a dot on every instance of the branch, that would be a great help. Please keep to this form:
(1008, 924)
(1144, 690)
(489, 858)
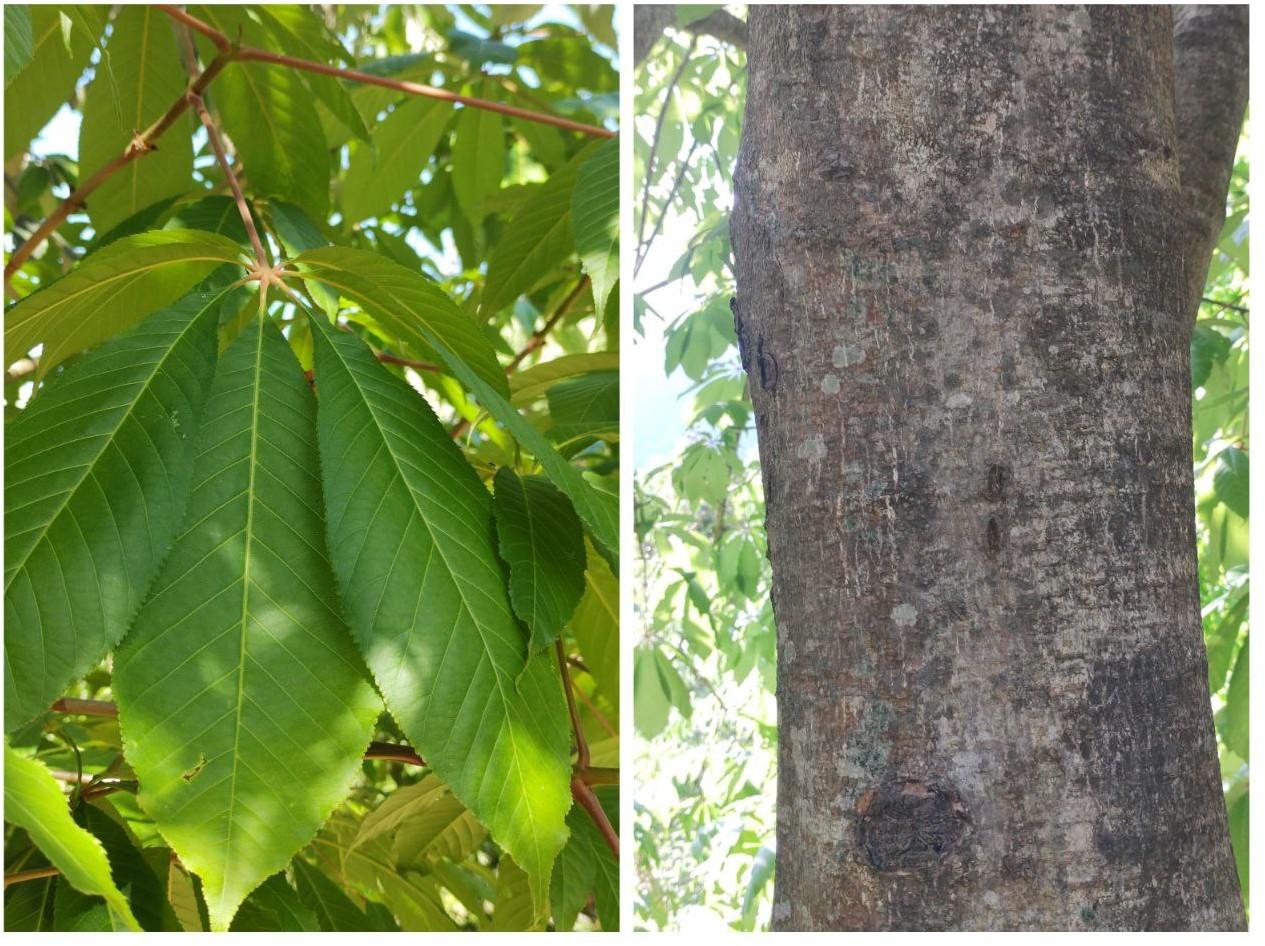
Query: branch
(588, 801)
(217, 145)
(379, 751)
(140, 145)
(654, 142)
(254, 54)
(1210, 88)
(651, 19)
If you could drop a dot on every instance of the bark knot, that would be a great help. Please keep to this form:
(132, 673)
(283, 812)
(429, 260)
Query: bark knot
(910, 823)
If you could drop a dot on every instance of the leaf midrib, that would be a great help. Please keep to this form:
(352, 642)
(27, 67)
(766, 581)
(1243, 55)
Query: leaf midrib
(241, 660)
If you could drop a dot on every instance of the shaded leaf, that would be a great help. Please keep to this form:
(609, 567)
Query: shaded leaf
(97, 475)
(543, 543)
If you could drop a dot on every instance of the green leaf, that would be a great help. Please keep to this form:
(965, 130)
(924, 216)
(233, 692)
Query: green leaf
(405, 304)
(574, 877)
(120, 104)
(97, 475)
(28, 907)
(543, 543)
(49, 77)
(402, 145)
(512, 911)
(423, 822)
(410, 530)
(297, 232)
(652, 706)
(1230, 480)
(1235, 723)
(274, 907)
(536, 239)
(268, 112)
(530, 383)
(33, 800)
(478, 158)
(411, 896)
(595, 624)
(761, 874)
(389, 292)
(334, 910)
(585, 406)
(595, 219)
(19, 45)
(299, 31)
(245, 734)
(110, 291)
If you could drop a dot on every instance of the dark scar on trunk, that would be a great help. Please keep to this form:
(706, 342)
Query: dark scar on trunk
(910, 824)
(768, 366)
(997, 483)
(992, 538)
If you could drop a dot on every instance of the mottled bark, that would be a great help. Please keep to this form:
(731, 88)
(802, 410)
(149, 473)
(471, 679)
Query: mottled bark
(960, 251)
(651, 19)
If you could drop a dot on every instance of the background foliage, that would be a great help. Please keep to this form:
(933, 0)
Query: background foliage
(705, 665)
(378, 540)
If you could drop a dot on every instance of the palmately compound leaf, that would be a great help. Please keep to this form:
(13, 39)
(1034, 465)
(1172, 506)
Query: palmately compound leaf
(536, 239)
(243, 705)
(543, 543)
(404, 301)
(110, 291)
(378, 176)
(33, 800)
(97, 474)
(595, 219)
(122, 102)
(411, 539)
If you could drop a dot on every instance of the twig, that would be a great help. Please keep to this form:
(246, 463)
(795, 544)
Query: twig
(34, 874)
(144, 142)
(380, 751)
(588, 801)
(581, 745)
(1225, 305)
(217, 145)
(643, 249)
(654, 142)
(140, 145)
(254, 54)
(389, 359)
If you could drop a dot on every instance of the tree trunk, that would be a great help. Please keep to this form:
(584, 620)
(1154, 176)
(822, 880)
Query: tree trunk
(963, 252)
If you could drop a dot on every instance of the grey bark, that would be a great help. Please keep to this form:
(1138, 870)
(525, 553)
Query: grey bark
(651, 19)
(963, 256)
